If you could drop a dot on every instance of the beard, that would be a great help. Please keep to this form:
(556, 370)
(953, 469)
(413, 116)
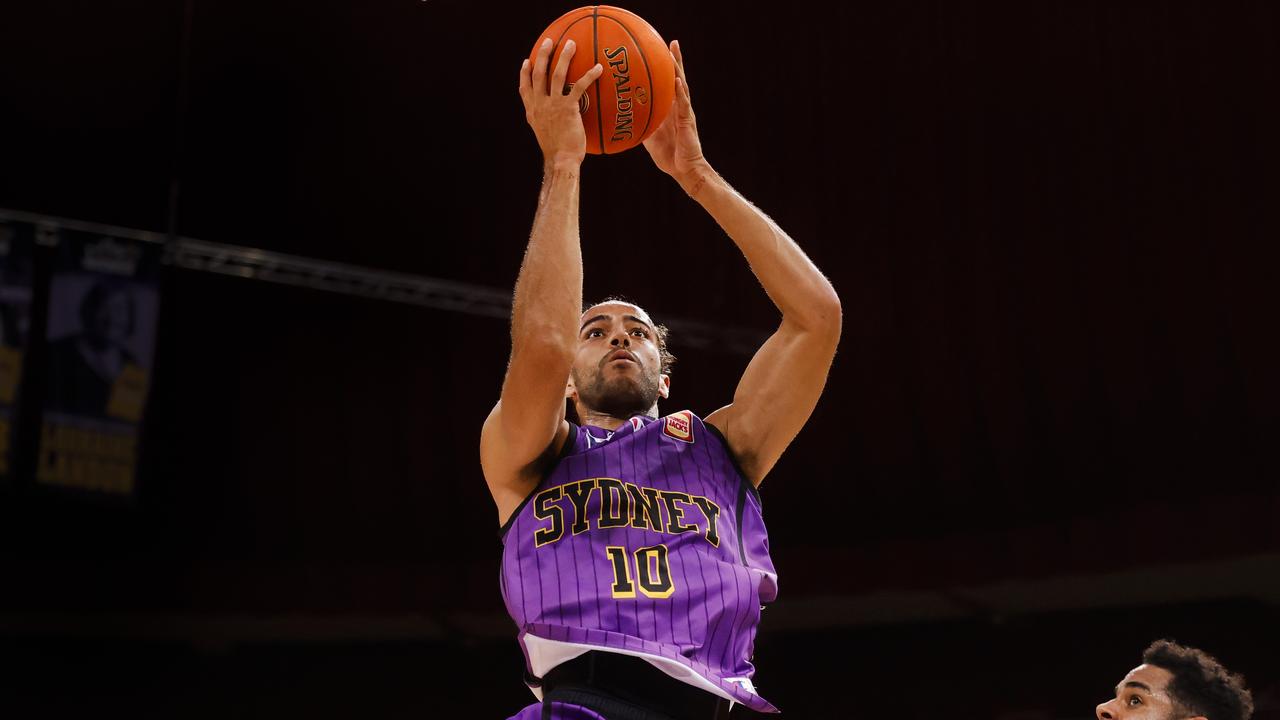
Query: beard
(619, 396)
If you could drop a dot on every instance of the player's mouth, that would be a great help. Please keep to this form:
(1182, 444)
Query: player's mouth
(622, 355)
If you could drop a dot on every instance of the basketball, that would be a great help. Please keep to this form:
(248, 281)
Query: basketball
(633, 96)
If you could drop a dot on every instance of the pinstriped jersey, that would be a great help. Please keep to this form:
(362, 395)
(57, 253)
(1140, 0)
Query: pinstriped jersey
(648, 541)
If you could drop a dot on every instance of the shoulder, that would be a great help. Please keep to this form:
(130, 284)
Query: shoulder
(720, 423)
(510, 481)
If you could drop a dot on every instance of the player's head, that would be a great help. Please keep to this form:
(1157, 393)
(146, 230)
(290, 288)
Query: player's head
(1175, 682)
(622, 366)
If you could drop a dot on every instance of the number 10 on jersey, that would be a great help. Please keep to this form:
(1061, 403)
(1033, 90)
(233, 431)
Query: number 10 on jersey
(652, 573)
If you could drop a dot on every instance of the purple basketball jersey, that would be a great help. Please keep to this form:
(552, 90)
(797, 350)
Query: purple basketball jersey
(645, 541)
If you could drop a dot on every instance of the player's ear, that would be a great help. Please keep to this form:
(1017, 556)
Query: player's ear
(571, 392)
(664, 386)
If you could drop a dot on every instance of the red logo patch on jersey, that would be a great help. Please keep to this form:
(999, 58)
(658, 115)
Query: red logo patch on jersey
(679, 426)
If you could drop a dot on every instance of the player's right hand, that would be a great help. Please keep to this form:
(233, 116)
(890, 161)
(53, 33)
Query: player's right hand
(554, 115)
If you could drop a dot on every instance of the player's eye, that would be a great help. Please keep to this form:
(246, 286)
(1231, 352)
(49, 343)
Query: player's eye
(1134, 700)
(595, 332)
(639, 333)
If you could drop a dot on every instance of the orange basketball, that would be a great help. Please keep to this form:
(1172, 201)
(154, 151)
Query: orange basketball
(633, 96)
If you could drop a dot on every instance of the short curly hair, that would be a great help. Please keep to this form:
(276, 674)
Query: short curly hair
(1200, 685)
(668, 359)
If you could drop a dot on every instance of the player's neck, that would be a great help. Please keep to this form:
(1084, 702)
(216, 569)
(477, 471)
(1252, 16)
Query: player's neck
(587, 416)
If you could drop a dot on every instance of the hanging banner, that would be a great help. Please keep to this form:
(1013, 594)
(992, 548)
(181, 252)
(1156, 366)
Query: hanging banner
(103, 308)
(17, 255)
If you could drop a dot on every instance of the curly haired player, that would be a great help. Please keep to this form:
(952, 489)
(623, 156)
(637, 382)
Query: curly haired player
(1175, 682)
(635, 559)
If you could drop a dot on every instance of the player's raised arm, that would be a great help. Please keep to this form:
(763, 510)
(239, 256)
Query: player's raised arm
(782, 383)
(527, 424)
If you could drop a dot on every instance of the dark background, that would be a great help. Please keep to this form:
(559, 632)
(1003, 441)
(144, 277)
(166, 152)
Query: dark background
(1048, 439)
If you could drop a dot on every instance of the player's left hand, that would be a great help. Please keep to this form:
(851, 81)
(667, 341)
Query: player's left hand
(675, 147)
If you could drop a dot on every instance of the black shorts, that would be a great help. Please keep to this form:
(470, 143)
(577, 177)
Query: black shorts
(622, 687)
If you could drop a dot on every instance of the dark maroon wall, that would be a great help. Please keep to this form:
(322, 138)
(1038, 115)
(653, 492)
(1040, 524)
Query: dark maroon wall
(1052, 226)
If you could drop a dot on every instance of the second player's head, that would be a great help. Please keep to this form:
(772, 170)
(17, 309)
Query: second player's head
(622, 365)
(1175, 682)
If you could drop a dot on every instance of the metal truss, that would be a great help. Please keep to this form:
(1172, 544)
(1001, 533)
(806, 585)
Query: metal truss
(328, 276)
(274, 267)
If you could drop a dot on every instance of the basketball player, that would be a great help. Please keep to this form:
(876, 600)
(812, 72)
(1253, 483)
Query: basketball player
(635, 559)
(1175, 682)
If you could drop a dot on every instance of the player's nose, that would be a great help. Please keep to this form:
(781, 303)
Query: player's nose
(1104, 712)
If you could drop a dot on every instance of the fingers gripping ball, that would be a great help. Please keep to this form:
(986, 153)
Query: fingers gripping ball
(633, 96)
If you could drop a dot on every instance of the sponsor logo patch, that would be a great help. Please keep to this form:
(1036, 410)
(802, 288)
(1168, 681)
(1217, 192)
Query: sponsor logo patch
(679, 426)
